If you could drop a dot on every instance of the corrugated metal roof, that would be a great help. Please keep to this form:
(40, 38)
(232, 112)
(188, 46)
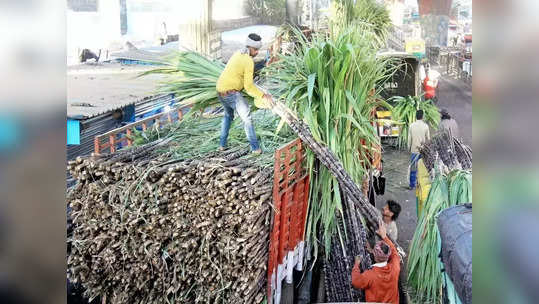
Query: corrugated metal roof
(96, 89)
(154, 54)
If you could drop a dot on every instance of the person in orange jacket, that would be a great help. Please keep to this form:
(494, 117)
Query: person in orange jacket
(381, 282)
(430, 84)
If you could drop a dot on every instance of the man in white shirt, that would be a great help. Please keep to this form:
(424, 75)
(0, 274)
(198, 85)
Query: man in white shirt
(390, 213)
(418, 133)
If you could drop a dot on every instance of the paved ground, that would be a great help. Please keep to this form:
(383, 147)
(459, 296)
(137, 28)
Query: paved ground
(456, 97)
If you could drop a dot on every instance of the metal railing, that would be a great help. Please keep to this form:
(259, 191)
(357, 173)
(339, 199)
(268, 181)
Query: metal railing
(123, 135)
(455, 65)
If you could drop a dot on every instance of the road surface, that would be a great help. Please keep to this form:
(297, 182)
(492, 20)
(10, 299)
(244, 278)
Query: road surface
(456, 97)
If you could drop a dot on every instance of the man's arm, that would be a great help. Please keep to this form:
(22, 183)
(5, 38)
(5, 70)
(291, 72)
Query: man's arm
(360, 280)
(394, 258)
(248, 83)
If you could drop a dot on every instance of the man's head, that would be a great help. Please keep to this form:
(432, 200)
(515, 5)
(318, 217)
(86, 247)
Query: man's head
(419, 114)
(392, 210)
(381, 252)
(253, 43)
(445, 114)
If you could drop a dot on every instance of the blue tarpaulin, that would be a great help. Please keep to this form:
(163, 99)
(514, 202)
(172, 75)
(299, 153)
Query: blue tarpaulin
(9, 132)
(73, 132)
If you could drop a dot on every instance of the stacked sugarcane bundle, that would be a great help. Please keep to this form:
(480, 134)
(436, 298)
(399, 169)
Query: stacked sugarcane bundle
(446, 151)
(150, 228)
(341, 259)
(424, 267)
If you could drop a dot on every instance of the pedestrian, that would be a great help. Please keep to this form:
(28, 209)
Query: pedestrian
(390, 213)
(449, 124)
(430, 83)
(418, 133)
(380, 283)
(238, 75)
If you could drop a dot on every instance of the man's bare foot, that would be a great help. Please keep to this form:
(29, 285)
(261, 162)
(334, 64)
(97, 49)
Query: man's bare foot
(257, 152)
(221, 149)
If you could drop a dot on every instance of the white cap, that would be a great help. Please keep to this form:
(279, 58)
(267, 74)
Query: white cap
(255, 44)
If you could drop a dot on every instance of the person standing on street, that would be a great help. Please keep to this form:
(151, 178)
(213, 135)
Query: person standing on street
(430, 83)
(238, 75)
(418, 133)
(449, 124)
(380, 283)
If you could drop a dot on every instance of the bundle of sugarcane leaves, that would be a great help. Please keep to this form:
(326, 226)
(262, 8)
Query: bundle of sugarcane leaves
(327, 82)
(192, 78)
(424, 269)
(404, 112)
(196, 136)
(157, 224)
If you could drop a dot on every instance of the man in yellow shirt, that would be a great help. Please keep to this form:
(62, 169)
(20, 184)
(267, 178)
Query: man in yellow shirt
(238, 75)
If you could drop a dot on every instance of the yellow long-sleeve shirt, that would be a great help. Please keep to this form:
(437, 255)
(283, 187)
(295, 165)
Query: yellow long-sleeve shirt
(238, 75)
(423, 185)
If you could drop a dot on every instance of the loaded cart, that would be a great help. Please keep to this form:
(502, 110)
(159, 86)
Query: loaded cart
(149, 225)
(455, 239)
(243, 222)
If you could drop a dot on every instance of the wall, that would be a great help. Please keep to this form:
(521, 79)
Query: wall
(92, 29)
(145, 18)
(228, 9)
(101, 28)
(232, 24)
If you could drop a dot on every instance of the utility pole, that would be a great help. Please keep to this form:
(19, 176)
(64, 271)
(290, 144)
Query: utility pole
(123, 17)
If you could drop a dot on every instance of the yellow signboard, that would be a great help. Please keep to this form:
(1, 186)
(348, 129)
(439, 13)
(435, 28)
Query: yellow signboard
(415, 46)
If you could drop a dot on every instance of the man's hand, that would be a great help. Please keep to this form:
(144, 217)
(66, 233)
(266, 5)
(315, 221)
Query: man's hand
(369, 247)
(381, 230)
(357, 260)
(269, 100)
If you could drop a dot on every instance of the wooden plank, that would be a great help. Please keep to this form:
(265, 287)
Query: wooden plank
(129, 140)
(96, 145)
(112, 140)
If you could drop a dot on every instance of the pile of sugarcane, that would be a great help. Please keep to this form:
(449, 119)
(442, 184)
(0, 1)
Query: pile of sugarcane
(447, 151)
(351, 243)
(328, 82)
(341, 259)
(424, 267)
(149, 228)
